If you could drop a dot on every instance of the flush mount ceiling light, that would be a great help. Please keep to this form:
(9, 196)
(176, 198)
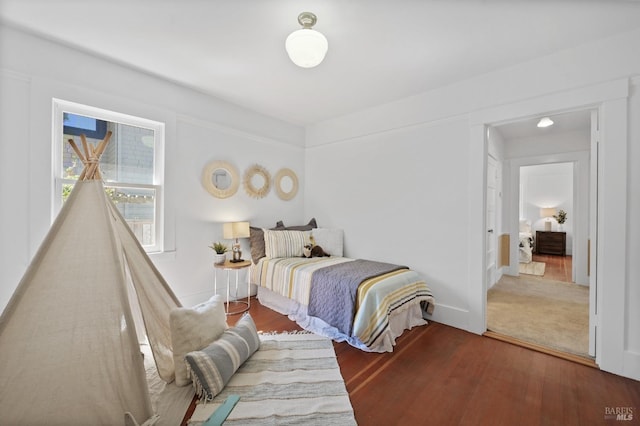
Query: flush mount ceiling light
(545, 122)
(306, 47)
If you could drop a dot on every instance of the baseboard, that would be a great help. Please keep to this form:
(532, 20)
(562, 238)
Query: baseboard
(538, 348)
(631, 368)
(452, 316)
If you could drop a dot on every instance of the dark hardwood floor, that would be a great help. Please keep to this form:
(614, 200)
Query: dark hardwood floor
(440, 375)
(557, 268)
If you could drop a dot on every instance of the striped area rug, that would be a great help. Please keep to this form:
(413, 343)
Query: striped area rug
(293, 378)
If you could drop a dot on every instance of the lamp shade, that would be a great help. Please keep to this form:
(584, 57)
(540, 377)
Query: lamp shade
(548, 212)
(233, 230)
(306, 47)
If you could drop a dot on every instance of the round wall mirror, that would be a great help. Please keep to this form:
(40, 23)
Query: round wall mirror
(286, 183)
(220, 179)
(257, 181)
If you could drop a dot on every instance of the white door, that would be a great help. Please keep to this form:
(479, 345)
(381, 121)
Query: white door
(492, 190)
(593, 234)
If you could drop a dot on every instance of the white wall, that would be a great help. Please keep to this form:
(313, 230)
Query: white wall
(403, 178)
(535, 146)
(400, 196)
(199, 216)
(199, 129)
(548, 185)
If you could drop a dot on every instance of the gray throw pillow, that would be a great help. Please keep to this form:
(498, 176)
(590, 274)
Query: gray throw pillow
(212, 367)
(308, 227)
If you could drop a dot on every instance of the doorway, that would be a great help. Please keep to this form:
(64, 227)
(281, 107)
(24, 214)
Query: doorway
(548, 173)
(609, 316)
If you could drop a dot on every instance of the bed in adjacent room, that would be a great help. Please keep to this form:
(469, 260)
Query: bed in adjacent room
(525, 248)
(365, 303)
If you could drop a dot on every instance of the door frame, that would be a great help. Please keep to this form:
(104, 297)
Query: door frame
(610, 99)
(492, 227)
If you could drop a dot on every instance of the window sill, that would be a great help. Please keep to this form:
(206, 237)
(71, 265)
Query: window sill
(162, 255)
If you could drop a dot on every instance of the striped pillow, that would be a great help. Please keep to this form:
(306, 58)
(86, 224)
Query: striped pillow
(285, 243)
(212, 367)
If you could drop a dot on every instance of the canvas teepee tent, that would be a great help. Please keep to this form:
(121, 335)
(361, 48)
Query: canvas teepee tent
(69, 352)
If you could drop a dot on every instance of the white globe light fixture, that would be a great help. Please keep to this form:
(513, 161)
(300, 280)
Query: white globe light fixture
(306, 47)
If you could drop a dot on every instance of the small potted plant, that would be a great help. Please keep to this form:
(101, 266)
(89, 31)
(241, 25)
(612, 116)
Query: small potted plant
(561, 217)
(221, 250)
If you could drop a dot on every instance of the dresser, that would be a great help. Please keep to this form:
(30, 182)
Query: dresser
(550, 242)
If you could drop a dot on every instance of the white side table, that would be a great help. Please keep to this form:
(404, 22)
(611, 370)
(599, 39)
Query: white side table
(233, 266)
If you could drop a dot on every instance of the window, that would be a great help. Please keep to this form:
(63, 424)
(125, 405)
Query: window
(74, 124)
(131, 165)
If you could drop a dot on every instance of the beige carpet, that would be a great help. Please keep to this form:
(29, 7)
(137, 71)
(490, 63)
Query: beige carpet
(533, 268)
(550, 313)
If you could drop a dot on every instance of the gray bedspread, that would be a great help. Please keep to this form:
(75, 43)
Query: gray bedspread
(334, 288)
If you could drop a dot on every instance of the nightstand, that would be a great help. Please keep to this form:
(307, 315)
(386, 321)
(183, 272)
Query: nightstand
(230, 266)
(551, 242)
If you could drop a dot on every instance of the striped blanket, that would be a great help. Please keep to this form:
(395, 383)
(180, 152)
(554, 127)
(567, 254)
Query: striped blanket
(291, 276)
(376, 300)
(334, 290)
(291, 379)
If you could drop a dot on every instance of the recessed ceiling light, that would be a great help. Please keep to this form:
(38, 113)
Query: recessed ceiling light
(545, 122)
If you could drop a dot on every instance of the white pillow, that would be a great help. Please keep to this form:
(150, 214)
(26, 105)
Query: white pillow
(331, 240)
(284, 243)
(193, 329)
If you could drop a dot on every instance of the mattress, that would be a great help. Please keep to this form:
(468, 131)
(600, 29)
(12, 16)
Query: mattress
(284, 285)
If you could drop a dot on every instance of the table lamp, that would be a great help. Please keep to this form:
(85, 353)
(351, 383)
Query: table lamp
(235, 230)
(548, 213)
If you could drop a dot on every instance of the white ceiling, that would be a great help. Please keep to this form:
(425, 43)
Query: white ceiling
(379, 51)
(562, 122)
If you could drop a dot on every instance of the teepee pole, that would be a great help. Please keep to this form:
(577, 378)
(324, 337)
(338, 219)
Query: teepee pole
(77, 150)
(85, 146)
(103, 145)
(97, 175)
(91, 157)
(94, 160)
(83, 173)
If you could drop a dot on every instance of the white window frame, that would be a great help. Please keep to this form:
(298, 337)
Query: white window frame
(61, 106)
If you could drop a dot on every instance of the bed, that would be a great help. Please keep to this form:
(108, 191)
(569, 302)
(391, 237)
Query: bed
(526, 242)
(365, 303)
